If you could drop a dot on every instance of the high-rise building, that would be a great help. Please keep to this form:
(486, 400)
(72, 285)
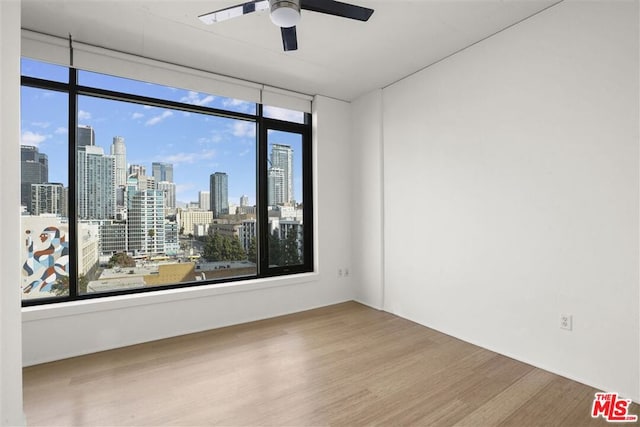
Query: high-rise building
(146, 222)
(282, 158)
(49, 198)
(96, 185)
(137, 170)
(169, 191)
(34, 169)
(86, 136)
(162, 171)
(119, 152)
(204, 200)
(244, 201)
(219, 193)
(276, 186)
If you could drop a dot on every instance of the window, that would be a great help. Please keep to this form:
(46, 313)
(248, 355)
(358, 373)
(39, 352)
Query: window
(129, 186)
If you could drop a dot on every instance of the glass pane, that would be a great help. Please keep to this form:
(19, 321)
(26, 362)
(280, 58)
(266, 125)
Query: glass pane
(164, 196)
(284, 189)
(136, 87)
(283, 114)
(43, 193)
(43, 70)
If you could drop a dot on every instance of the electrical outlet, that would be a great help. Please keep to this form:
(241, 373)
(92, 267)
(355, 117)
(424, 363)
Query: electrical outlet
(566, 321)
(346, 272)
(340, 273)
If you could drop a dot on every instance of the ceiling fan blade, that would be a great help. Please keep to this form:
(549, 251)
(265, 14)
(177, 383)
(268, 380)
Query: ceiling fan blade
(234, 11)
(289, 38)
(337, 8)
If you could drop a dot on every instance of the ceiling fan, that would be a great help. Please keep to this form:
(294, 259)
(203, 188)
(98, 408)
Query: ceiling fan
(286, 14)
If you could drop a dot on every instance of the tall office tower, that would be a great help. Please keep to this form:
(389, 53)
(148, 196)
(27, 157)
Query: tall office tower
(276, 186)
(119, 151)
(204, 200)
(49, 198)
(219, 192)
(96, 186)
(146, 222)
(162, 171)
(86, 136)
(169, 191)
(282, 158)
(34, 169)
(244, 201)
(137, 170)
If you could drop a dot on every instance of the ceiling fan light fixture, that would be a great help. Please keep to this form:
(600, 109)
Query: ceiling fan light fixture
(285, 13)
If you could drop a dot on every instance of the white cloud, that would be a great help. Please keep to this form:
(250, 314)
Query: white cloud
(195, 99)
(136, 116)
(42, 125)
(189, 158)
(32, 138)
(208, 154)
(237, 104)
(83, 115)
(181, 158)
(243, 129)
(61, 131)
(244, 153)
(157, 119)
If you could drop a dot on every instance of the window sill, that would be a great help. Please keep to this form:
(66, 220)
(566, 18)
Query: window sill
(72, 308)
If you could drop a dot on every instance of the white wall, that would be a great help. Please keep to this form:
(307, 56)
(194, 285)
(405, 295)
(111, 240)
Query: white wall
(511, 193)
(55, 332)
(10, 338)
(367, 200)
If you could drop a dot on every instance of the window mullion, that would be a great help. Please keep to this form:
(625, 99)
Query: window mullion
(72, 196)
(262, 199)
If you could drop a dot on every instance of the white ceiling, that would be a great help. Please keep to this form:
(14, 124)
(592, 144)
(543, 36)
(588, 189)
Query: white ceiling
(337, 57)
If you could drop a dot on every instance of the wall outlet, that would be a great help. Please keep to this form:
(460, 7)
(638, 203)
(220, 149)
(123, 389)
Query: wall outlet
(346, 272)
(340, 272)
(566, 321)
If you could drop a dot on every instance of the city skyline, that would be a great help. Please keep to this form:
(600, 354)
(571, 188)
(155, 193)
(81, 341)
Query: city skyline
(196, 144)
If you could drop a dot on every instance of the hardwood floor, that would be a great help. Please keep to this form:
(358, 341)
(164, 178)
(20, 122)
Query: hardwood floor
(344, 365)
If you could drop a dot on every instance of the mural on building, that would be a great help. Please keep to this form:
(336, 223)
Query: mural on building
(47, 260)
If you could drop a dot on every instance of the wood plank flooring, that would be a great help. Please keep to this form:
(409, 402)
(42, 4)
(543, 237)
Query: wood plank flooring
(343, 365)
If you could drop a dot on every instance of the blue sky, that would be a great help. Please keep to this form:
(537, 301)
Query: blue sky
(196, 144)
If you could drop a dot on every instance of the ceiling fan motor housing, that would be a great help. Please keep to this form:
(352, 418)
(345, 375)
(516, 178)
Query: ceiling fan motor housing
(285, 13)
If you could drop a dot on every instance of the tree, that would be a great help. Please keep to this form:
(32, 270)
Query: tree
(61, 285)
(252, 254)
(223, 248)
(290, 249)
(121, 259)
(151, 243)
(275, 249)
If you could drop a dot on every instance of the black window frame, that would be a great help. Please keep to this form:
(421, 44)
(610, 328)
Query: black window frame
(263, 125)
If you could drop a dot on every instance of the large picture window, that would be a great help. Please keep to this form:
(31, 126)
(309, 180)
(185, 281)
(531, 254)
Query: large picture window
(129, 186)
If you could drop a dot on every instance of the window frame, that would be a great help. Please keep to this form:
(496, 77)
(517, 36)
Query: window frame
(263, 125)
